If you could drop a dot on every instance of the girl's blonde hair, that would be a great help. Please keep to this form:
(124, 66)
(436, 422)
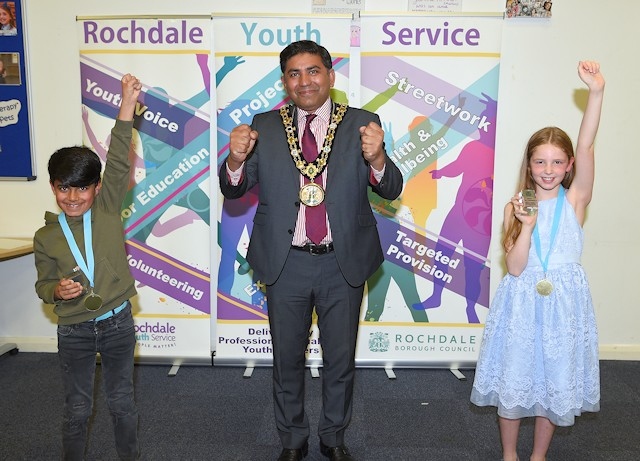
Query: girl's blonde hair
(548, 135)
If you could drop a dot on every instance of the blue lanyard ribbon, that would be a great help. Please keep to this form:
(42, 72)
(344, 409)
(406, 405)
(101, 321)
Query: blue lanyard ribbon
(88, 266)
(554, 231)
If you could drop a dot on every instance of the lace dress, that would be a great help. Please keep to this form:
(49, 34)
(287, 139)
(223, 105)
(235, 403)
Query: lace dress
(539, 354)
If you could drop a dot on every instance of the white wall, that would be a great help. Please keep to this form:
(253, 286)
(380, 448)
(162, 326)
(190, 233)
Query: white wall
(538, 86)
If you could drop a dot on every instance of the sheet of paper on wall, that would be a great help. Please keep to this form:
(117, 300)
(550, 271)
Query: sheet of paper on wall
(453, 6)
(528, 8)
(337, 6)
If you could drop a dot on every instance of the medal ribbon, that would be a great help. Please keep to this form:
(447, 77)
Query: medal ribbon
(88, 266)
(554, 231)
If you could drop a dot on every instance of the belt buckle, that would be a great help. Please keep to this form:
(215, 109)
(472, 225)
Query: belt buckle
(319, 249)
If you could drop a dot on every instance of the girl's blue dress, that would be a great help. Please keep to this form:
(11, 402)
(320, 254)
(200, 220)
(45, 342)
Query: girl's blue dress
(539, 354)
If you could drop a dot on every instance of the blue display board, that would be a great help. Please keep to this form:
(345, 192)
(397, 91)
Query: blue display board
(16, 159)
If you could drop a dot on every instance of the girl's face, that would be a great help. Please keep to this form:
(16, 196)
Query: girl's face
(548, 166)
(5, 18)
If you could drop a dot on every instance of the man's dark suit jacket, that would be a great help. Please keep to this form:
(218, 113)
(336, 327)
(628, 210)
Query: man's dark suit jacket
(353, 226)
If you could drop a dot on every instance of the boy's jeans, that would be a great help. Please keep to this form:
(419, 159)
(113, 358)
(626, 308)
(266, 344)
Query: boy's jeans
(78, 344)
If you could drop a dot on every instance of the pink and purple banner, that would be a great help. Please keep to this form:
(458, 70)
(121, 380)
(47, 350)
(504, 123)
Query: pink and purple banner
(248, 82)
(433, 80)
(166, 212)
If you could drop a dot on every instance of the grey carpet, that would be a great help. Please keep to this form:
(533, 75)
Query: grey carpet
(213, 413)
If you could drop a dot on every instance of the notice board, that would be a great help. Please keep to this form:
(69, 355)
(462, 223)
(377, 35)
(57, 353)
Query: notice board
(16, 149)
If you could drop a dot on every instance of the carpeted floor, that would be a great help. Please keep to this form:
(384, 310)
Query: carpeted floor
(213, 413)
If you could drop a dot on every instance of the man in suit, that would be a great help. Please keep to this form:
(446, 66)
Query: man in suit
(314, 240)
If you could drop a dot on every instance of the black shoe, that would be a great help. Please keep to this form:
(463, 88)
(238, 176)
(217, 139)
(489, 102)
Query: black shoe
(339, 453)
(294, 454)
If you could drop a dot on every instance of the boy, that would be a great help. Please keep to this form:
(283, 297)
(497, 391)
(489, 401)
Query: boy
(90, 284)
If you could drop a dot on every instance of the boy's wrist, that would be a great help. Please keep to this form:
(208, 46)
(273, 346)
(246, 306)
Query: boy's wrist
(126, 112)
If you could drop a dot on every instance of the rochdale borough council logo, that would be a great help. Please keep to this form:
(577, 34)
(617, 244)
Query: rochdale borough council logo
(378, 342)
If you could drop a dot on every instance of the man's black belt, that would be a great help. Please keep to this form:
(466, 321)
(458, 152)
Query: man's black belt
(315, 249)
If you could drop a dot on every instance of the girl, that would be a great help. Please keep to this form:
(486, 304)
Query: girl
(539, 353)
(7, 20)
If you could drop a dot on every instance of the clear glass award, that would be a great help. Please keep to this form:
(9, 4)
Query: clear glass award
(77, 275)
(529, 201)
(92, 301)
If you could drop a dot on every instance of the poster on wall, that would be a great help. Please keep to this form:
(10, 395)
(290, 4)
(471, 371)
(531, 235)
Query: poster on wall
(434, 82)
(337, 6)
(528, 8)
(436, 6)
(248, 82)
(166, 211)
(16, 147)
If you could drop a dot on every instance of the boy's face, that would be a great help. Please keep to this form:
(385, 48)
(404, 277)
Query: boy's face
(75, 201)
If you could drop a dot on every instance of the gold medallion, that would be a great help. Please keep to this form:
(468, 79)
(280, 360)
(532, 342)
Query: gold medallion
(311, 194)
(544, 287)
(92, 301)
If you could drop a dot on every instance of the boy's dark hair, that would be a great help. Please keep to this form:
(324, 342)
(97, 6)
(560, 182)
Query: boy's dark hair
(75, 166)
(304, 46)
